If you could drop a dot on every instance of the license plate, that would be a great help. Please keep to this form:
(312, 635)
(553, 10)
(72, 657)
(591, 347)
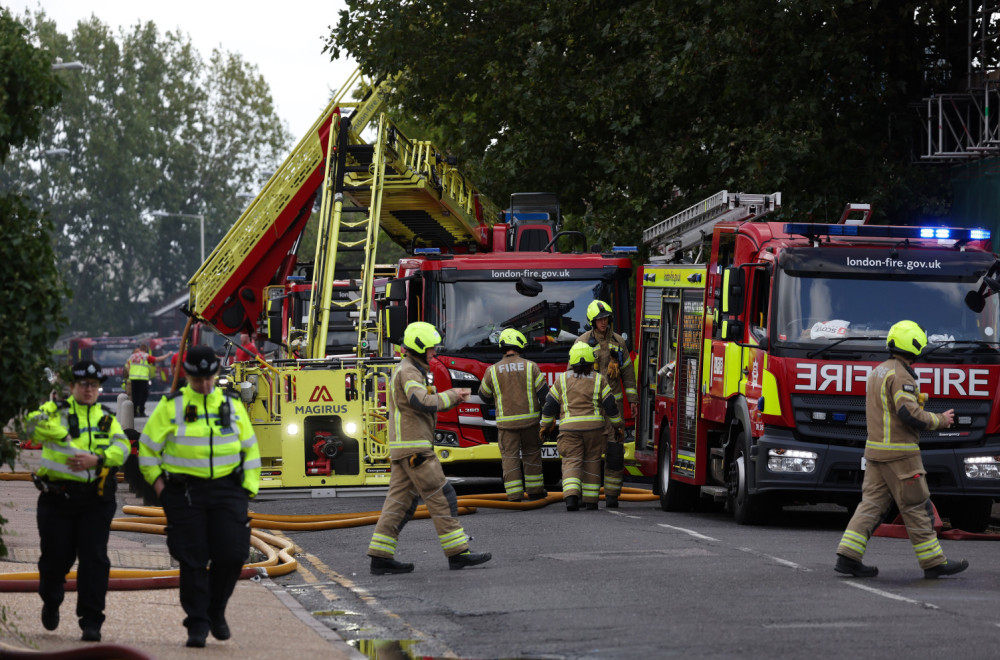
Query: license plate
(549, 452)
(864, 464)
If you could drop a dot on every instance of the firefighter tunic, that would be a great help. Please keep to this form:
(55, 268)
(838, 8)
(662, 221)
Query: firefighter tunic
(614, 363)
(517, 387)
(583, 404)
(894, 468)
(416, 471)
(210, 461)
(75, 509)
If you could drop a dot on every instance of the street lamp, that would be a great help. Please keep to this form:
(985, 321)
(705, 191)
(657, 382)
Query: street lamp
(197, 216)
(67, 66)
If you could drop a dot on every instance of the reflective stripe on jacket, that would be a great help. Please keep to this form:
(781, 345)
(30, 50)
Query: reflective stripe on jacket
(582, 401)
(895, 416)
(50, 426)
(515, 385)
(201, 448)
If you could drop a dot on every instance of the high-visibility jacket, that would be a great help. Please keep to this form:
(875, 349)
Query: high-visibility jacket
(412, 408)
(582, 401)
(609, 348)
(517, 386)
(894, 412)
(137, 366)
(185, 436)
(98, 432)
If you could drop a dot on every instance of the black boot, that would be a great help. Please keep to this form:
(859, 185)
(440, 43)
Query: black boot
(196, 638)
(91, 633)
(854, 567)
(467, 558)
(947, 568)
(573, 503)
(590, 506)
(220, 629)
(610, 501)
(384, 566)
(50, 617)
(537, 496)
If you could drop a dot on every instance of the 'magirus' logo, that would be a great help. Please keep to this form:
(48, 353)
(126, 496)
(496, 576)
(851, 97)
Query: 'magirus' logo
(320, 394)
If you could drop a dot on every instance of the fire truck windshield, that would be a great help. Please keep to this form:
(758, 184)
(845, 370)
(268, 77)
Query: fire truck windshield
(111, 357)
(474, 313)
(814, 310)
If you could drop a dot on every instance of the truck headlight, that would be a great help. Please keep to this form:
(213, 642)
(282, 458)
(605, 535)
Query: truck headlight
(463, 379)
(350, 428)
(791, 460)
(982, 467)
(292, 429)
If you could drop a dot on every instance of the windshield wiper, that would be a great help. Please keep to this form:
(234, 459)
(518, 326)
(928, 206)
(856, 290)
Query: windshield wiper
(975, 342)
(824, 349)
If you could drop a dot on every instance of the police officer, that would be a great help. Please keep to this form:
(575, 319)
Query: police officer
(199, 452)
(518, 388)
(82, 447)
(416, 472)
(894, 470)
(614, 363)
(584, 403)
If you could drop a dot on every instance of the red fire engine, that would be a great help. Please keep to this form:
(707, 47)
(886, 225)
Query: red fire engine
(754, 359)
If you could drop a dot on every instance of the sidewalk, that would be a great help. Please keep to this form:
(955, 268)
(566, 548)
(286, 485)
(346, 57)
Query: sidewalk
(266, 622)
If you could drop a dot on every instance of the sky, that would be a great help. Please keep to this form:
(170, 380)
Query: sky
(283, 39)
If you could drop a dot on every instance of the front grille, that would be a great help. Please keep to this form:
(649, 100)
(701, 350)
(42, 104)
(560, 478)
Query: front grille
(852, 431)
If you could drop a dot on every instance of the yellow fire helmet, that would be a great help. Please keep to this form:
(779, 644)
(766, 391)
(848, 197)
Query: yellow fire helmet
(419, 336)
(598, 310)
(906, 337)
(511, 338)
(580, 352)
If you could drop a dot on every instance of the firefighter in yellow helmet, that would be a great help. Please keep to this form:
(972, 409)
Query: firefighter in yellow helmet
(517, 387)
(82, 446)
(199, 452)
(614, 363)
(413, 404)
(894, 471)
(583, 403)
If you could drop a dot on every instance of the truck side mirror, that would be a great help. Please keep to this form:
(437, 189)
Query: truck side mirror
(275, 328)
(733, 288)
(394, 323)
(395, 291)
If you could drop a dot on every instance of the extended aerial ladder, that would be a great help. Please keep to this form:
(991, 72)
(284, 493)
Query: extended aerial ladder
(320, 418)
(692, 228)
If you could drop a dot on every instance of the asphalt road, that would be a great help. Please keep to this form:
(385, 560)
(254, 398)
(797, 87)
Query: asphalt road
(642, 583)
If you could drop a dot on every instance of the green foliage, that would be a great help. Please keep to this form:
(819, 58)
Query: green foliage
(27, 85)
(619, 106)
(148, 125)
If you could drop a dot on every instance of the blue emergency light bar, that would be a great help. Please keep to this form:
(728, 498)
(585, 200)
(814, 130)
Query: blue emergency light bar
(886, 231)
(296, 278)
(625, 249)
(427, 251)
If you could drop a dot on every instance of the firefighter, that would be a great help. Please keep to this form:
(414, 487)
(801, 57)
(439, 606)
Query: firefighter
(199, 452)
(614, 363)
(584, 403)
(518, 389)
(82, 447)
(416, 471)
(894, 470)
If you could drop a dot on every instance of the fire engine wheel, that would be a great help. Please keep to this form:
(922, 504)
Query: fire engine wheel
(747, 509)
(674, 495)
(970, 514)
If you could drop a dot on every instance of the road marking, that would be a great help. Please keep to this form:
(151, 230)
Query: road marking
(889, 594)
(629, 554)
(691, 532)
(824, 624)
(624, 515)
(777, 560)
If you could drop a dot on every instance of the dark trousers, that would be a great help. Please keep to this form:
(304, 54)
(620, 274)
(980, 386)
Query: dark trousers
(208, 533)
(72, 528)
(140, 393)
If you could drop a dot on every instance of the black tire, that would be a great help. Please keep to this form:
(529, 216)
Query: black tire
(747, 509)
(970, 514)
(674, 495)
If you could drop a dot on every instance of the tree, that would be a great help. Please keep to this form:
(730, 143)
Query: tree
(147, 126)
(619, 106)
(31, 298)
